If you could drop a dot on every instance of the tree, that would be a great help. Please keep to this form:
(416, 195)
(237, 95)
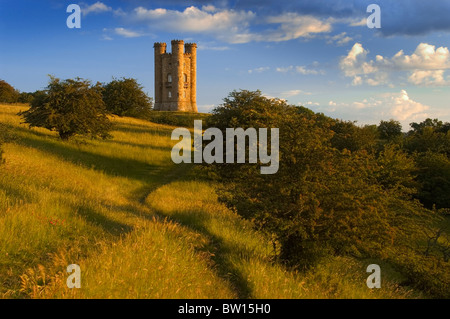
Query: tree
(434, 179)
(323, 200)
(429, 135)
(25, 97)
(351, 137)
(8, 94)
(126, 97)
(389, 130)
(70, 107)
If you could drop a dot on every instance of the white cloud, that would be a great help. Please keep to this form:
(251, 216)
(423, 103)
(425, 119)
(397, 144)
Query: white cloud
(209, 8)
(259, 70)
(359, 23)
(339, 39)
(127, 33)
(404, 108)
(294, 26)
(426, 66)
(397, 105)
(428, 77)
(233, 26)
(309, 103)
(425, 57)
(300, 69)
(291, 93)
(97, 7)
(227, 23)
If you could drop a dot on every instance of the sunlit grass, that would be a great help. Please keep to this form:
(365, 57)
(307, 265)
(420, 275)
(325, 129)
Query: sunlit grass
(138, 225)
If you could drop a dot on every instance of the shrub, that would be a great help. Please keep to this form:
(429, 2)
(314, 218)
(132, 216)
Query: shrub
(126, 97)
(70, 107)
(7, 93)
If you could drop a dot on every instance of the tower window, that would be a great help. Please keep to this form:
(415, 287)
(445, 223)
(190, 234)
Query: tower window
(170, 94)
(185, 77)
(184, 94)
(169, 78)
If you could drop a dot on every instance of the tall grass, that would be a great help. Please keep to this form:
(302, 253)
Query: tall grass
(139, 226)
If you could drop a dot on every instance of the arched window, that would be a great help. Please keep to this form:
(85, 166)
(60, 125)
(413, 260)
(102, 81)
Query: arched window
(169, 78)
(185, 77)
(170, 94)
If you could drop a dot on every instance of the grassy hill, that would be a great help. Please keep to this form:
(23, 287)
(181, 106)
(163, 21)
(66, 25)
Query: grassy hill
(140, 226)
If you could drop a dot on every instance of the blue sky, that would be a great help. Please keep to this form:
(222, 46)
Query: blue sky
(319, 54)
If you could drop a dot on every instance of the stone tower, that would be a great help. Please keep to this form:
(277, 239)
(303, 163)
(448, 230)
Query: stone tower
(176, 77)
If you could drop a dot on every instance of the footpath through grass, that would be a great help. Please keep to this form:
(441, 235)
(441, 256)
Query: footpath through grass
(139, 226)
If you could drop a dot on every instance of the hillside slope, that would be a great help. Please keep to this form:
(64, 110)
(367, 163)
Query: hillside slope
(139, 226)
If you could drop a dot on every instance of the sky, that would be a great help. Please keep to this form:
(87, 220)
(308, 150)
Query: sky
(320, 54)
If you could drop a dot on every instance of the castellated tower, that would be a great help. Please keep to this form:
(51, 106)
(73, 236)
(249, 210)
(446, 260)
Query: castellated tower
(176, 77)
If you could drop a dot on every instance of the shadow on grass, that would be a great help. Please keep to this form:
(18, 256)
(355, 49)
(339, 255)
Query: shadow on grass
(113, 166)
(223, 253)
(110, 226)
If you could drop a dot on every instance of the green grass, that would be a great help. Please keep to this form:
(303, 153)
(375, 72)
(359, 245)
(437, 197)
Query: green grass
(140, 226)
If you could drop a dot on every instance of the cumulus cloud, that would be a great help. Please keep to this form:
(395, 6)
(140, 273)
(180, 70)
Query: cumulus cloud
(97, 7)
(404, 108)
(396, 105)
(426, 56)
(426, 65)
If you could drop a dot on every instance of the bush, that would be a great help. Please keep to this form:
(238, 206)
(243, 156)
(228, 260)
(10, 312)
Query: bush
(25, 97)
(180, 119)
(70, 107)
(125, 97)
(7, 93)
